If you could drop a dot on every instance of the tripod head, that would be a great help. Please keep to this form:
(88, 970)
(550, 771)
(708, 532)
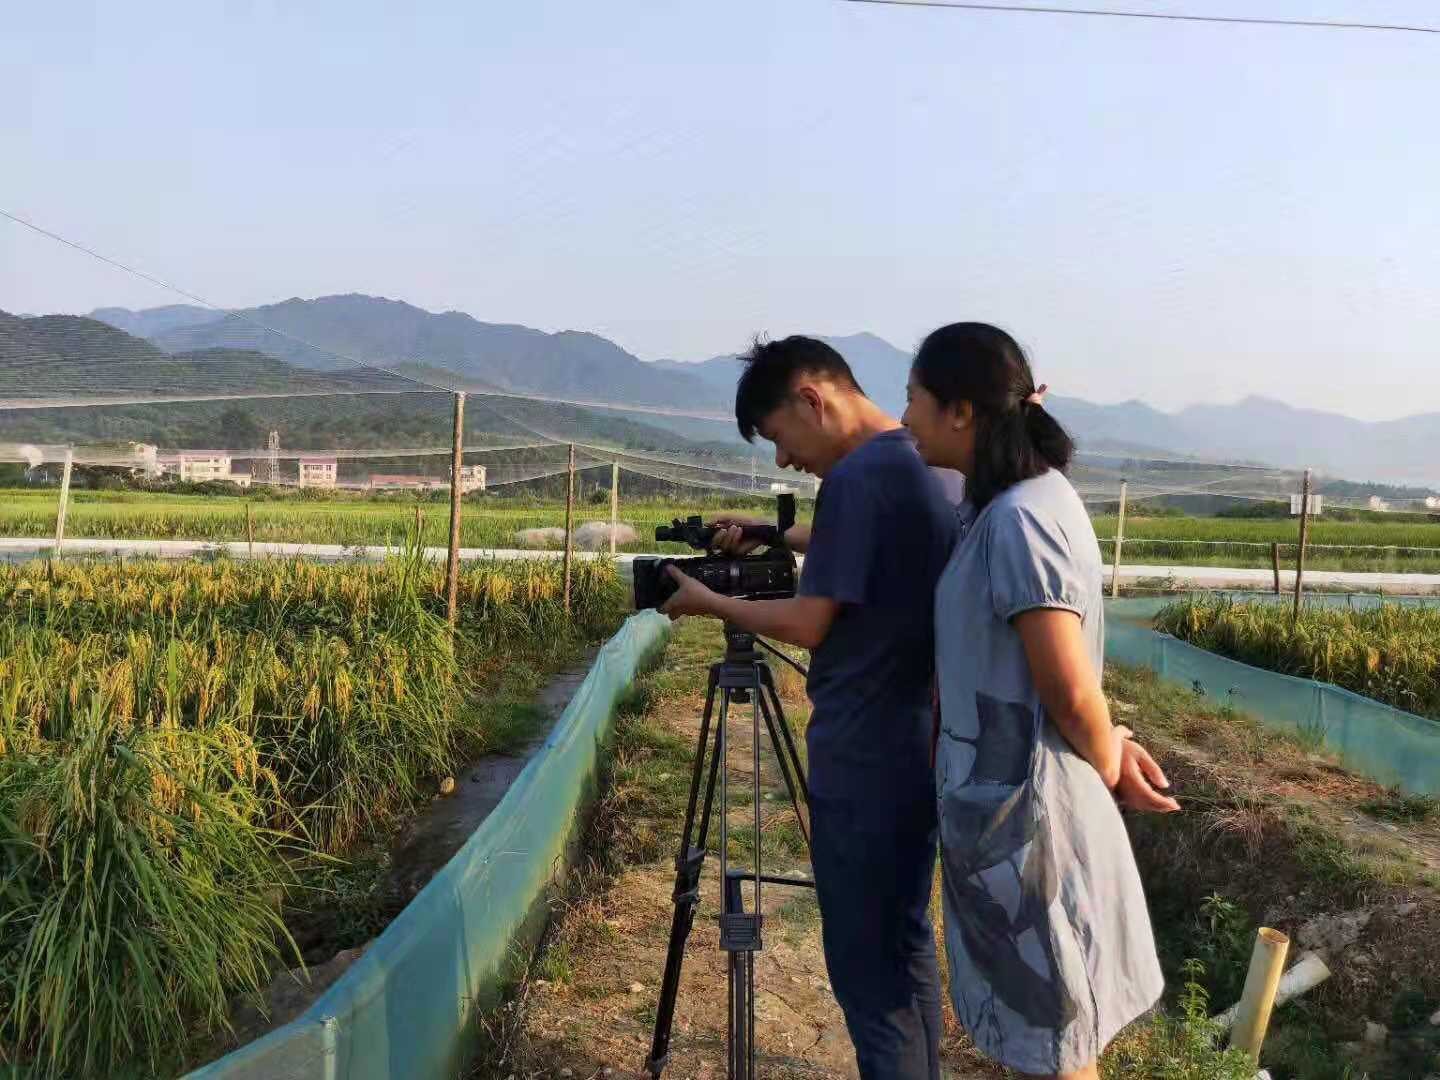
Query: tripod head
(739, 645)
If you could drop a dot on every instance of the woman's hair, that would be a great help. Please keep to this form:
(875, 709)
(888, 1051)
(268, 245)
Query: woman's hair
(1015, 438)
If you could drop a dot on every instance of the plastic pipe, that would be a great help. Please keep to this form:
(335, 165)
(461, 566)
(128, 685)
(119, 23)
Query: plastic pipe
(1309, 972)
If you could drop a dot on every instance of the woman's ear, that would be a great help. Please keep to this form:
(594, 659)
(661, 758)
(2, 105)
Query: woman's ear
(961, 415)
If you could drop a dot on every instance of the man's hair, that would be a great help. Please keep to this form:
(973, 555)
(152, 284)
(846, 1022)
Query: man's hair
(770, 369)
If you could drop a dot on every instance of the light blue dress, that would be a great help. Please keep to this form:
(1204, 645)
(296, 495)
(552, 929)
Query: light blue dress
(1046, 929)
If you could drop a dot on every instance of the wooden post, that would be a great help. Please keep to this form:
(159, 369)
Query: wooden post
(250, 529)
(64, 499)
(1119, 539)
(569, 523)
(1275, 563)
(1304, 535)
(452, 562)
(419, 526)
(614, 502)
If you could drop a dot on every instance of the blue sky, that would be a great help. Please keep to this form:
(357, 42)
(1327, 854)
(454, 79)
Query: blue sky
(1173, 212)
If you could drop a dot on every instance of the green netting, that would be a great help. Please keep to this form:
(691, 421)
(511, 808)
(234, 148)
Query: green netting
(1384, 743)
(406, 1010)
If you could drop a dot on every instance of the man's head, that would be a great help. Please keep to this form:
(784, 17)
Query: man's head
(800, 394)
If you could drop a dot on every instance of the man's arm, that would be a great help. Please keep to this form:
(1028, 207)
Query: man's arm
(799, 620)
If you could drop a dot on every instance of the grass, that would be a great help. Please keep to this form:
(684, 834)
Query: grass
(1401, 808)
(1390, 652)
(182, 745)
(1267, 836)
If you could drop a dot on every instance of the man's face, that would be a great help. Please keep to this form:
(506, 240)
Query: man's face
(798, 430)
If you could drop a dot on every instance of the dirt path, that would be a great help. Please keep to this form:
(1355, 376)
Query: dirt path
(587, 1008)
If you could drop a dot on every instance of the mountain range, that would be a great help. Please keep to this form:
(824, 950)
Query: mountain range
(577, 366)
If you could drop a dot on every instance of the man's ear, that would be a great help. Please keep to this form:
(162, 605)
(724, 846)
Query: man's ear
(812, 400)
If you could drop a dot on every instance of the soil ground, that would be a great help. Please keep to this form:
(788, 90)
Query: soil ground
(1272, 833)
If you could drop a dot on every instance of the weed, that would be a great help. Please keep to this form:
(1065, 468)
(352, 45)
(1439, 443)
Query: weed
(1177, 1047)
(1401, 808)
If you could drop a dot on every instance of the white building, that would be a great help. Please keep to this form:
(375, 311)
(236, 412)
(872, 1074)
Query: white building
(318, 472)
(472, 478)
(1375, 502)
(1432, 502)
(195, 466)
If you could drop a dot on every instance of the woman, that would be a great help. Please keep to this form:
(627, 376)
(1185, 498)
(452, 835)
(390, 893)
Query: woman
(1046, 931)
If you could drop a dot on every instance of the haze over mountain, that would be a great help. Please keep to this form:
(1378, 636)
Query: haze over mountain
(581, 366)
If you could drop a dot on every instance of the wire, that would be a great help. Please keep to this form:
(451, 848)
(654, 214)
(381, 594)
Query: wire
(213, 306)
(1038, 9)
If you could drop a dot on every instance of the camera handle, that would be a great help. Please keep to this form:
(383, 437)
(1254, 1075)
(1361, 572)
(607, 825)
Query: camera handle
(743, 677)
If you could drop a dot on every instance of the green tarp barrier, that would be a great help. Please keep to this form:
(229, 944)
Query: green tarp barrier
(406, 1009)
(1383, 743)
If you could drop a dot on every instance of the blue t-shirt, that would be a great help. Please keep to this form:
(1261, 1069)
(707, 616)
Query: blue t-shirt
(884, 527)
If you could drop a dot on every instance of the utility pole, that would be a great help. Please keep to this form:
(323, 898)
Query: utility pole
(452, 562)
(1304, 536)
(1119, 539)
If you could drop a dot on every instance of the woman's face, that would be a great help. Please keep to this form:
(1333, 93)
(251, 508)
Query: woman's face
(943, 433)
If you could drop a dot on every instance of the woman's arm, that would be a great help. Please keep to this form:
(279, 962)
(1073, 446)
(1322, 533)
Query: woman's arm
(1069, 686)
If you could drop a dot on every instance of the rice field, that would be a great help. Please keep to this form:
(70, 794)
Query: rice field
(184, 745)
(495, 521)
(1396, 547)
(491, 522)
(1389, 652)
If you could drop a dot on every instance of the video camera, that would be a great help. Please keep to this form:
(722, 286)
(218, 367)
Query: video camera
(768, 575)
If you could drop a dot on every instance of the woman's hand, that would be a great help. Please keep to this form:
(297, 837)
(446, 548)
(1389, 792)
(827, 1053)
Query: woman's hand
(1142, 782)
(690, 597)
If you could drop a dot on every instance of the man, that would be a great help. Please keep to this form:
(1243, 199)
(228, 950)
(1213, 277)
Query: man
(883, 528)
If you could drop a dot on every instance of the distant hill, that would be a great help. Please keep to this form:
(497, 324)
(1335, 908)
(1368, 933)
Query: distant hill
(452, 348)
(570, 364)
(153, 321)
(128, 389)
(59, 359)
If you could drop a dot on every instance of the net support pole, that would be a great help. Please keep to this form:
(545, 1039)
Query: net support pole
(64, 498)
(1275, 563)
(1119, 539)
(569, 523)
(614, 503)
(452, 561)
(1304, 536)
(419, 526)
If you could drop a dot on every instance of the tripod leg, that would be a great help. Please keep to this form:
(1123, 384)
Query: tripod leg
(740, 986)
(686, 895)
(792, 769)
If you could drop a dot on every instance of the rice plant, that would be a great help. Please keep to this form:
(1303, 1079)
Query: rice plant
(1390, 652)
(179, 740)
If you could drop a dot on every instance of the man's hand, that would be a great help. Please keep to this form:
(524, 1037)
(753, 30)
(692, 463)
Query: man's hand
(1141, 780)
(728, 540)
(690, 597)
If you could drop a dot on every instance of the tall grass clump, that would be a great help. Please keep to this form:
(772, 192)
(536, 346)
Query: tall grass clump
(1390, 652)
(180, 743)
(139, 885)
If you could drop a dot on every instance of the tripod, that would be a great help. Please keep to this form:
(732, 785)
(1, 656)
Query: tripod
(743, 677)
